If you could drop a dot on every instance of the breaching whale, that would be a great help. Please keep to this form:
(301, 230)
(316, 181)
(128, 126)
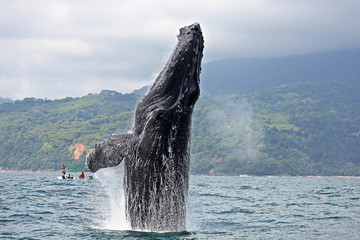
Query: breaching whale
(157, 151)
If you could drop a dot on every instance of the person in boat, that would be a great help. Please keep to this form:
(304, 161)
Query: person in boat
(63, 171)
(82, 175)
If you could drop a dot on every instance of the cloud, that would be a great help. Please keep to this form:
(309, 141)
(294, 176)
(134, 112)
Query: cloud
(119, 44)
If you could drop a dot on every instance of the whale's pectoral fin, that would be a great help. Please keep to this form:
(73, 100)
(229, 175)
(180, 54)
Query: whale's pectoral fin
(110, 153)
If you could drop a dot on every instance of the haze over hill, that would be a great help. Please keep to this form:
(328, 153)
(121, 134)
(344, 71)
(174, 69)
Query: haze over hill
(5, 100)
(244, 75)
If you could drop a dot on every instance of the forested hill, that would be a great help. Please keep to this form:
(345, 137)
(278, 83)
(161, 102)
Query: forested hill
(43, 134)
(245, 75)
(310, 128)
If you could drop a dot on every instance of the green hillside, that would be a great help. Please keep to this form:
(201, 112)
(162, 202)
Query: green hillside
(41, 134)
(310, 128)
(296, 129)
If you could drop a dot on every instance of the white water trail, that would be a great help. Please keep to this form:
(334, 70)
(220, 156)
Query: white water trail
(112, 181)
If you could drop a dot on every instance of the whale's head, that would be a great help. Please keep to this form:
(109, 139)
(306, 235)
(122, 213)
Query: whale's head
(177, 86)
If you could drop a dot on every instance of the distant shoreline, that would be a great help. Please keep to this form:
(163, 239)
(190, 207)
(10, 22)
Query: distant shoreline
(241, 175)
(44, 171)
(30, 171)
(246, 175)
(335, 176)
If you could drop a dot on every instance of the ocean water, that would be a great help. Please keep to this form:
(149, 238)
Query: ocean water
(40, 206)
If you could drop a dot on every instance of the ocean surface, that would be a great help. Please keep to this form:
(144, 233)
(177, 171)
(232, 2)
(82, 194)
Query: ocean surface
(40, 206)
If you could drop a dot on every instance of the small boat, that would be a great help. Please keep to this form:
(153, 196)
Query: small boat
(60, 177)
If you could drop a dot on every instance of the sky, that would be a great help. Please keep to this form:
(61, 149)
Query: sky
(69, 48)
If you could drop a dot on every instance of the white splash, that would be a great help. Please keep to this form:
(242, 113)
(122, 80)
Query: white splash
(113, 209)
(112, 181)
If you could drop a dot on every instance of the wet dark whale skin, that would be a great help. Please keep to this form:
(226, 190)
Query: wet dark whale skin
(157, 151)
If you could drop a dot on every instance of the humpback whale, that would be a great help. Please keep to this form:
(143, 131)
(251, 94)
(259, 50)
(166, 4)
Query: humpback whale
(157, 150)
